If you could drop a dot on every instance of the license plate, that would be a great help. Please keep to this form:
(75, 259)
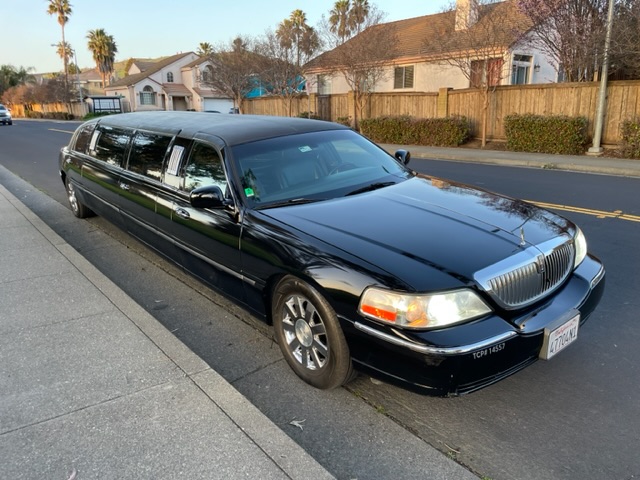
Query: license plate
(558, 337)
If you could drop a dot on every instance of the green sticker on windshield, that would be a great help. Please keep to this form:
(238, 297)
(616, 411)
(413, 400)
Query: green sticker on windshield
(249, 192)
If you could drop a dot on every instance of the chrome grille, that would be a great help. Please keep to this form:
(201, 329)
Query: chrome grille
(529, 276)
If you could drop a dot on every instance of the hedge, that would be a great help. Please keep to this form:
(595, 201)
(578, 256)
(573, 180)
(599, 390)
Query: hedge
(52, 115)
(406, 130)
(630, 144)
(546, 134)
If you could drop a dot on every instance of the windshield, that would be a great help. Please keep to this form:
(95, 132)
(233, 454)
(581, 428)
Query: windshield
(312, 166)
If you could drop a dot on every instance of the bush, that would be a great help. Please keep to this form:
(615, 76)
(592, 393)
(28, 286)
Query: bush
(406, 130)
(631, 138)
(32, 114)
(546, 134)
(309, 115)
(346, 121)
(51, 115)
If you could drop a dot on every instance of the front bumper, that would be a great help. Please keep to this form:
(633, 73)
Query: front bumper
(468, 357)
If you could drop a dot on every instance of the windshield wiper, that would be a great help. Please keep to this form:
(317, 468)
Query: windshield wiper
(291, 201)
(370, 187)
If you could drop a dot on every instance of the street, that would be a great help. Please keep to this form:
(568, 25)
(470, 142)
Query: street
(572, 417)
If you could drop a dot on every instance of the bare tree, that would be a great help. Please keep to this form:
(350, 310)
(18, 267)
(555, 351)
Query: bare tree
(625, 43)
(571, 33)
(235, 69)
(484, 33)
(283, 53)
(363, 49)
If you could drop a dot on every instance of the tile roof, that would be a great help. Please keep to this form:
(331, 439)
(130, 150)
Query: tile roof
(197, 61)
(176, 89)
(433, 36)
(156, 67)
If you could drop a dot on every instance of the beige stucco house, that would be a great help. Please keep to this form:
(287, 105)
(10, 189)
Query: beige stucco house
(423, 44)
(174, 83)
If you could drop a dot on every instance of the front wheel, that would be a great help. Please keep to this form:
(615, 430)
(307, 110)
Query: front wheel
(309, 335)
(79, 209)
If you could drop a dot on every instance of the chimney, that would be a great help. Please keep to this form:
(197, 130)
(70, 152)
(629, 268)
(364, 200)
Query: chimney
(466, 14)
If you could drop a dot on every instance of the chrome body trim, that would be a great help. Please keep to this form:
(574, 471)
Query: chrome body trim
(425, 349)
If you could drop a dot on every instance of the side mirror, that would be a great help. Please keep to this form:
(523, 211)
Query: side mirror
(209, 196)
(403, 156)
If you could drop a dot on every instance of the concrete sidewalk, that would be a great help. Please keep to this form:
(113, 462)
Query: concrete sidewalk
(93, 387)
(576, 163)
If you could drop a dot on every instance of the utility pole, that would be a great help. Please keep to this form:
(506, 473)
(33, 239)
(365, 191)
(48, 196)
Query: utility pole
(596, 149)
(75, 59)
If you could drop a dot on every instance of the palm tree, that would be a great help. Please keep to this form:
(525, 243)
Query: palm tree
(11, 76)
(293, 32)
(65, 52)
(339, 19)
(62, 9)
(358, 14)
(104, 49)
(205, 49)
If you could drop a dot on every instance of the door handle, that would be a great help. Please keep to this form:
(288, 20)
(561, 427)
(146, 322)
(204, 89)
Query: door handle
(181, 212)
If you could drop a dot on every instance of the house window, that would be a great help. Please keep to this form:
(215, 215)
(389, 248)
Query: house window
(207, 74)
(403, 77)
(170, 77)
(147, 96)
(485, 72)
(324, 85)
(521, 69)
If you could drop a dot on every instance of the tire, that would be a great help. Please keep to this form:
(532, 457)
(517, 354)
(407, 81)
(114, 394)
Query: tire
(309, 335)
(79, 209)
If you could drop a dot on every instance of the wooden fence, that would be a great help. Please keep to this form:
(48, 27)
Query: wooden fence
(573, 99)
(78, 109)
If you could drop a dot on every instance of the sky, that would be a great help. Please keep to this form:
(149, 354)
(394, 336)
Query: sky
(150, 29)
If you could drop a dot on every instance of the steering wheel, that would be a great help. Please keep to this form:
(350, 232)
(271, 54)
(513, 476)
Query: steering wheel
(343, 167)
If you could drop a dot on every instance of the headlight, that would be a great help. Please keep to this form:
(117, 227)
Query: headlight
(580, 243)
(435, 310)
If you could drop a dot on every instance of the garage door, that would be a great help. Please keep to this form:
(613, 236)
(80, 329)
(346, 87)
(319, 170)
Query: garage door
(221, 105)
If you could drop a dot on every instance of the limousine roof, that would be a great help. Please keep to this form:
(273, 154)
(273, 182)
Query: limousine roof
(232, 129)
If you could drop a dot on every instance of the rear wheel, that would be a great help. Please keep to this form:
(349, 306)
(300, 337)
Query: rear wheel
(79, 209)
(309, 335)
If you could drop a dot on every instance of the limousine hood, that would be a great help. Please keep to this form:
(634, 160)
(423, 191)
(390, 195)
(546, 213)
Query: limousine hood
(453, 228)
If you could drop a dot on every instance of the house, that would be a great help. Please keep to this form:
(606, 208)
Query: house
(88, 81)
(426, 48)
(173, 83)
(195, 76)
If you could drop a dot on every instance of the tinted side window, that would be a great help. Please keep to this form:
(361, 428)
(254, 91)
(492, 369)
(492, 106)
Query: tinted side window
(204, 168)
(147, 153)
(110, 144)
(83, 138)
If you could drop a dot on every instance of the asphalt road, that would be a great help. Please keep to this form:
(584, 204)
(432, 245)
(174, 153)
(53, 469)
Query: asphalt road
(574, 417)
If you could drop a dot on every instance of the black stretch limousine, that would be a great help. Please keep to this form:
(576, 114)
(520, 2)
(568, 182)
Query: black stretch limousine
(355, 259)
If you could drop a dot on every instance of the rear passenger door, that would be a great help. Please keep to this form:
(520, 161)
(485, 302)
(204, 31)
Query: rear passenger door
(207, 238)
(139, 185)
